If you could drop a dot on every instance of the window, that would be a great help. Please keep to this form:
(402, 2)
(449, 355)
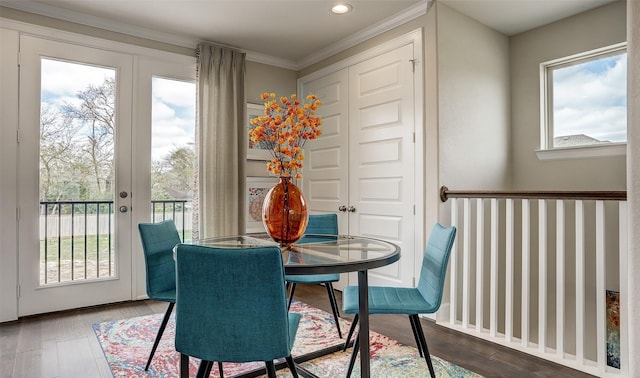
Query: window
(585, 102)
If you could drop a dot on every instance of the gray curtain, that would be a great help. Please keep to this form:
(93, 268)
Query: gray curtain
(221, 143)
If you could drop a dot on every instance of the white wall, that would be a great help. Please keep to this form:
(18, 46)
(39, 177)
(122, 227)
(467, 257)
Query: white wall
(600, 27)
(473, 103)
(8, 189)
(260, 78)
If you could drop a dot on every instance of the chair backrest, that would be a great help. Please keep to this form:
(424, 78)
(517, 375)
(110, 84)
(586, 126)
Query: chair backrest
(434, 264)
(320, 224)
(231, 304)
(158, 241)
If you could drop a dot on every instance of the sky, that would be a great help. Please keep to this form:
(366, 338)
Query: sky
(590, 98)
(173, 114)
(173, 104)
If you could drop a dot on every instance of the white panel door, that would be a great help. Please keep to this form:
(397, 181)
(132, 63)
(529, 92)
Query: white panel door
(382, 158)
(325, 178)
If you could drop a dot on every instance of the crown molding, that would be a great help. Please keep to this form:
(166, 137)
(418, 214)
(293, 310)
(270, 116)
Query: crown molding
(374, 30)
(100, 23)
(46, 10)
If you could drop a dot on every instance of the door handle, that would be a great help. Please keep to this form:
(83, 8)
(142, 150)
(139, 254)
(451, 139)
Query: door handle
(123, 209)
(342, 208)
(352, 209)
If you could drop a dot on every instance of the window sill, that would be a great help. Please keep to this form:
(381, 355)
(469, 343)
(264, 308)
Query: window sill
(583, 152)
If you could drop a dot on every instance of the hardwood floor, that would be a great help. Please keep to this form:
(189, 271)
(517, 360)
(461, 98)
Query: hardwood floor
(63, 344)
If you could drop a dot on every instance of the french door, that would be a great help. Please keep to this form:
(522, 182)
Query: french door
(75, 176)
(363, 167)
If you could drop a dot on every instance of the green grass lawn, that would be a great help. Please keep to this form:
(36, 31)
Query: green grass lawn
(93, 257)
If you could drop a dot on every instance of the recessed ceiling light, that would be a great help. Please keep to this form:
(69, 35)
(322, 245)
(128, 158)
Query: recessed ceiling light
(341, 8)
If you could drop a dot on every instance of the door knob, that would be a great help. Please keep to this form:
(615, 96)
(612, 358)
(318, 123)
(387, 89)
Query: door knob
(123, 209)
(342, 208)
(352, 209)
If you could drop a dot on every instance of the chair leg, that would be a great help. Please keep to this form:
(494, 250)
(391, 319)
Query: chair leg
(425, 348)
(271, 369)
(334, 305)
(293, 289)
(204, 370)
(165, 320)
(292, 366)
(415, 334)
(220, 369)
(351, 329)
(184, 366)
(354, 354)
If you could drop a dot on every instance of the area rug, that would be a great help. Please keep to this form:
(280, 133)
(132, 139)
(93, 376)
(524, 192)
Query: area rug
(126, 344)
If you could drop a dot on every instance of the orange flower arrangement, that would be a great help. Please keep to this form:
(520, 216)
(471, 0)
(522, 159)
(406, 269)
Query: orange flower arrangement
(284, 128)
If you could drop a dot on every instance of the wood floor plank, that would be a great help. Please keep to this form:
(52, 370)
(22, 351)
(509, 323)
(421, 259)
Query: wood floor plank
(76, 359)
(7, 361)
(39, 362)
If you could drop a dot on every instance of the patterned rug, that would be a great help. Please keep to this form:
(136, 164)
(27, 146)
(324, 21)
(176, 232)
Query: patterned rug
(126, 344)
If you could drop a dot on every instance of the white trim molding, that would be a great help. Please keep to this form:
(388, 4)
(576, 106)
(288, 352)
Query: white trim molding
(583, 152)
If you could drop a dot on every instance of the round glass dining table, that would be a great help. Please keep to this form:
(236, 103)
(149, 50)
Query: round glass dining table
(319, 254)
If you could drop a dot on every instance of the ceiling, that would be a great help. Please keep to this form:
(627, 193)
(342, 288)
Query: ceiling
(289, 33)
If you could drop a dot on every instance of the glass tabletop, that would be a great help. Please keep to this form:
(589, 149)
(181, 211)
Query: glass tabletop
(319, 254)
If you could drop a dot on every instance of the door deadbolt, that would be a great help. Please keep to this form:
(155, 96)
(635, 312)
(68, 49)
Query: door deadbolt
(123, 194)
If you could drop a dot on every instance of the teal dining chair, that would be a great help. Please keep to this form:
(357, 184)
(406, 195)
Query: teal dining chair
(231, 307)
(423, 299)
(319, 224)
(158, 240)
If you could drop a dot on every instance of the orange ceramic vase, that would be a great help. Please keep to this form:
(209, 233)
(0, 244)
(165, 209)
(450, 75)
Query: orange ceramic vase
(284, 212)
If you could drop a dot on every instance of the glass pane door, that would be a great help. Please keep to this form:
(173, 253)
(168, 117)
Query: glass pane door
(77, 124)
(173, 153)
(75, 150)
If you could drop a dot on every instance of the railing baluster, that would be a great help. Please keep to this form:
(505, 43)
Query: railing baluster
(453, 267)
(98, 240)
(493, 318)
(85, 240)
(479, 264)
(466, 251)
(580, 290)
(59, 242)
(73, 215)
(601, 268)
(110, 212)
(46, 243)
(542, 274)
(184, 212)
(560, 279)
(526, 237)
(509, 280)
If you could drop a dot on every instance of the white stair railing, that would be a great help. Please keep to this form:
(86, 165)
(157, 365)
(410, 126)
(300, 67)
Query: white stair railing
(531, 271)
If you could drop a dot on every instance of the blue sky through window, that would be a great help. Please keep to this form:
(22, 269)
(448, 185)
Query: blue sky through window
(590, 98)
(173, 115)
(173, 106)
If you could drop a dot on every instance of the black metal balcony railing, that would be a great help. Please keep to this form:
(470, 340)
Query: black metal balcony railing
(76, 237)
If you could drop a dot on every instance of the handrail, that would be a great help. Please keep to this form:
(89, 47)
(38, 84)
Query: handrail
(620, 195)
